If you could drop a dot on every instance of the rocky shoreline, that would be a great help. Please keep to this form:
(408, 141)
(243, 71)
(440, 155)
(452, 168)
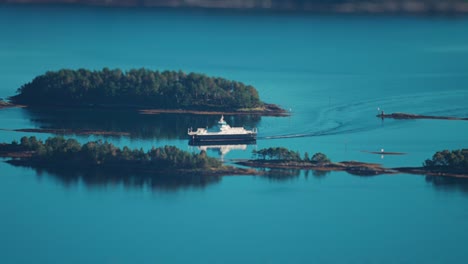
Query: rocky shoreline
(268, 110)
(352, 167)
(4, 104)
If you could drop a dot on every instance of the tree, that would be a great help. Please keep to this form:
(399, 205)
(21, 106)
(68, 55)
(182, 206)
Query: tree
(320, 158)
(280, 153)
(445, 159)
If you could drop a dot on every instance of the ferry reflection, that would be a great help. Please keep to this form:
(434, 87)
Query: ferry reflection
(220, 148)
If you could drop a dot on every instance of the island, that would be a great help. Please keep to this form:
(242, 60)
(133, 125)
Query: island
(415, 116)
(443, 163)
(446, 162)
(68, 154)
(283, 158)
(146, 90)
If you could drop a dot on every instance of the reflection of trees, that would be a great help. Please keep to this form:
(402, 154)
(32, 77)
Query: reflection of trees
(316, 173)
(281, 174)
(102, 178)
(163, 126)
(290, 174)
(448, 183)
(320, 174)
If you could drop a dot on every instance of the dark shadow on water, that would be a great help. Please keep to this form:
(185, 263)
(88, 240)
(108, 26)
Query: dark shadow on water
(161, 126)
(280, 175)
(97, 178)
(448, 184)
(320, 174)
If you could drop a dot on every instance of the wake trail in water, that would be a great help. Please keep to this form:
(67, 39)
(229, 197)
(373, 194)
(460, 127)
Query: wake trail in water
(317, 134)
(359, 116)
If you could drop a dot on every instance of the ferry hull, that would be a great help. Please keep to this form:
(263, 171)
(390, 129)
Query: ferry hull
(200, 139)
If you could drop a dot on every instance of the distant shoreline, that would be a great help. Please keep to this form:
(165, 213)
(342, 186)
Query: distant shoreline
(389, 7)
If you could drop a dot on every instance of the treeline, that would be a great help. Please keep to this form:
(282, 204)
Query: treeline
(137, 88)
(455, 160)
(64, 152)
(284, 154)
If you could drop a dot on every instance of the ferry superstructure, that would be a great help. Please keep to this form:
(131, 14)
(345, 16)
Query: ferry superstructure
(225, 133)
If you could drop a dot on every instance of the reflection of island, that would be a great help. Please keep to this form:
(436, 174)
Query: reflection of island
(281, 175)
(113, 122)
(448, 183)
(102, 178)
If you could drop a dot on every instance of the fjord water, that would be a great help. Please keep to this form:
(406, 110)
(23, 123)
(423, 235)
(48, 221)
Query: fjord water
(331, 72)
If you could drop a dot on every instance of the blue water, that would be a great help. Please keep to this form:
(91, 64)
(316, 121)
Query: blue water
(331, 72)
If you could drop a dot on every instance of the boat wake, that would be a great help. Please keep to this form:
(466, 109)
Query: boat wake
(359, 116)
(316, 134)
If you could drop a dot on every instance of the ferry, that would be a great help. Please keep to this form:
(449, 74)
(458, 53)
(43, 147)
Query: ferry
(225, 133)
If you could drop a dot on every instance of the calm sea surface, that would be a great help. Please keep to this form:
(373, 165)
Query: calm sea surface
(332, 73)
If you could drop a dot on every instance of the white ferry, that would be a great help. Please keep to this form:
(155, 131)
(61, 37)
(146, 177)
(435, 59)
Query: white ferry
(225, 133)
